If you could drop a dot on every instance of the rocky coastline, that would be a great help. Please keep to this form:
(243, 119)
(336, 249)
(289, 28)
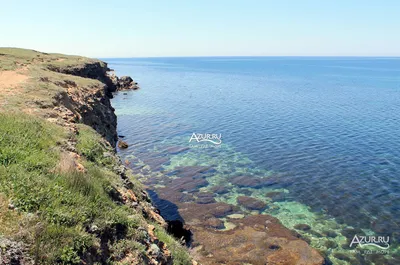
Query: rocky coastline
(71, 95)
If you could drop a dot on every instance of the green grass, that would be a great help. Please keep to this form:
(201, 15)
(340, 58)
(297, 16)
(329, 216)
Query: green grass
(65, 204)
(29, 153)
(14, 58)
(179, 252)
(46, 77)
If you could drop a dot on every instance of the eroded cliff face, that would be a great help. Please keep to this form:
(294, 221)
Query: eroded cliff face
(93, 107)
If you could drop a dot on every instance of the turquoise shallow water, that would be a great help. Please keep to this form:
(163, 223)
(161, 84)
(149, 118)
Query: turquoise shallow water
(325, 130)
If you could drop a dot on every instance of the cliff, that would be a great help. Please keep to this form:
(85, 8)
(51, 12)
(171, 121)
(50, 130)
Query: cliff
(65, 197)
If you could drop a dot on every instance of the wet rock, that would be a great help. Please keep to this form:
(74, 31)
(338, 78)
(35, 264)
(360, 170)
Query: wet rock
(214, 223)
(303, 227)
(251, 203)
(126, 83)
(122, 144)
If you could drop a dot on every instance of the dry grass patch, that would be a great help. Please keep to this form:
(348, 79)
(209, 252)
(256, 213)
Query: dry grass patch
(8, 218)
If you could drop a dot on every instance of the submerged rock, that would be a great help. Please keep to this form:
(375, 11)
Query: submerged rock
(189, 184)
(252, 182)
(220, 189)
(331, 244)
(190, 171)
(257, 240)
(199, 212)
(214, 223)
(122, 144)
(172, 150)
(330, 234)
(276, 195)
(155, 162)
(205, 197)
(303, 227)
(251, 203)
(342, 256)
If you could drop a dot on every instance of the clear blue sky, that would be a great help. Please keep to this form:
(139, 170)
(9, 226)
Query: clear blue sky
(133, 28)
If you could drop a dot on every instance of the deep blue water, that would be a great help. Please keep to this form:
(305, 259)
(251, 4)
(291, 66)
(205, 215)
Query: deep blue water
(327, 127)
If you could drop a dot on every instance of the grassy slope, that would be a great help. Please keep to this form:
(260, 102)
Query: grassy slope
(14, 58)
(55, 207)
(43, 83)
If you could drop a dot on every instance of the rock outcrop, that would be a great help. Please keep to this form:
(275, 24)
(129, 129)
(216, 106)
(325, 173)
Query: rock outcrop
(122, 83)
(93, 106)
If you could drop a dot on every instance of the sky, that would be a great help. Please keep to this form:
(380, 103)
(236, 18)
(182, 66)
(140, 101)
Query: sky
(148, 28)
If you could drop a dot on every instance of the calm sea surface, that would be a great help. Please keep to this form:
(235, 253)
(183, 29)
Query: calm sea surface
(325, 130)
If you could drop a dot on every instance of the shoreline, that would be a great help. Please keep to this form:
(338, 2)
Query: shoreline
(202, 216)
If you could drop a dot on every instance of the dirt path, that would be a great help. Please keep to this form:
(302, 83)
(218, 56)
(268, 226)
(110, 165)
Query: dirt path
(11, 84)
(11, 79)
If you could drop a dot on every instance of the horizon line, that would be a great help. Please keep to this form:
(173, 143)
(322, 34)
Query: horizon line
(252, 56)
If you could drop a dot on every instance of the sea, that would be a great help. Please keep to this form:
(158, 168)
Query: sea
(325, 132)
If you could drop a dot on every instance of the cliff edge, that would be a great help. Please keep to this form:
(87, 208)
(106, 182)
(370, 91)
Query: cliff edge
(65, 197)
